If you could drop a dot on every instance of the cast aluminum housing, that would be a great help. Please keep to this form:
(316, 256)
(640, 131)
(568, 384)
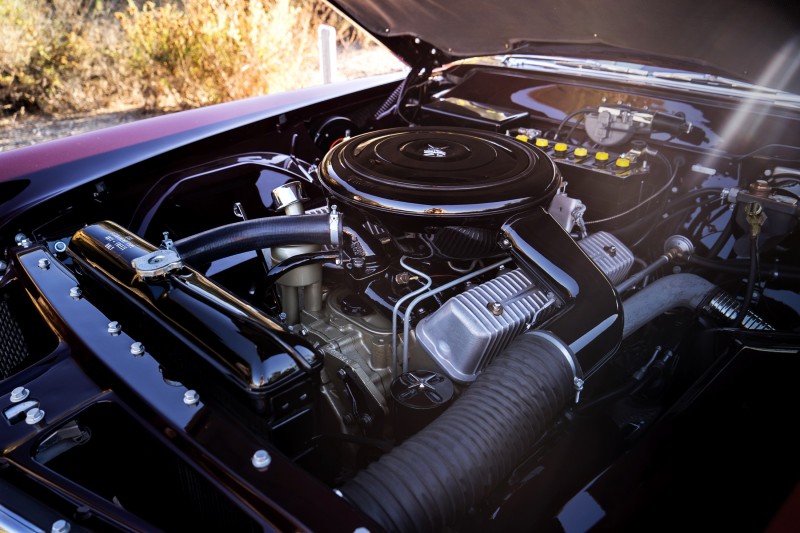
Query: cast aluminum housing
(609, 254)
(472, 328)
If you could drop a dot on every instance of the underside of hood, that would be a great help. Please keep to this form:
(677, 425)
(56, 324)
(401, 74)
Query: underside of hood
(754, 41)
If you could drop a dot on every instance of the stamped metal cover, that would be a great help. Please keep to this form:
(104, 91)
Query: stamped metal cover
(440, 173)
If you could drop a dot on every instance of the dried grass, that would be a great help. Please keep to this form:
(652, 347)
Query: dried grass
(65, 56)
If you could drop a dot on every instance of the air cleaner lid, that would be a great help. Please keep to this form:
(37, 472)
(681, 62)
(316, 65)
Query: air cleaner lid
(439, 172)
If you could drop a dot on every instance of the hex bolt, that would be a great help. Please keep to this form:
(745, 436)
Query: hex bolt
(75, 293)
(22, 240)
(261, 459)
(84, 512)
(137, 348)
(495, 308)
(34, 416)
(44, 263)
(403, 278)
(114, 328)
(190, 397)
(19, 394)
(60, 526)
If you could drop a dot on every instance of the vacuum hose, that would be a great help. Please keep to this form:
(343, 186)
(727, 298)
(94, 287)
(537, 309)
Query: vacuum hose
(258, 233)
(443, 470)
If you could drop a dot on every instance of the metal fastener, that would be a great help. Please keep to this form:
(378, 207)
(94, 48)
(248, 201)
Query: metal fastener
(22, 240)
(137, 348)
(60, 247)
(19, 394)
(190, 397)
(760, 188)
(75, 293)
(261, 459)
(114, 328)
(34, 416)
(495, 308)
(60, 526)
(3, 266)
(44, 263)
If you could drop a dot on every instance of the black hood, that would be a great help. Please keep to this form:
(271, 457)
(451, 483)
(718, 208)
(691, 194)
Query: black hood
(754, 41)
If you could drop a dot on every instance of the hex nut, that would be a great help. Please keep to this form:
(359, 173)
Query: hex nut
(19, 394)
(34, 416)
(75, 293)
(114, 328)
(261, 459)
(495, 308)
(60, 526)
(190, 397)
(137, 348)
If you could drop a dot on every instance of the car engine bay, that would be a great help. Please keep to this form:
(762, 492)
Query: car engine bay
(430, 301)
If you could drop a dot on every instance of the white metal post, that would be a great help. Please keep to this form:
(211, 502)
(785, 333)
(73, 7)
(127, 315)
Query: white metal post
(327, 52)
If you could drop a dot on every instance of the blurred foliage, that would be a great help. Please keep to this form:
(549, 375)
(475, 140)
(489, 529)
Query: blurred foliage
(61, 56)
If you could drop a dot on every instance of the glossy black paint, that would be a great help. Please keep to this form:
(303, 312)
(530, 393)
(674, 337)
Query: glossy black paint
(72, 169)
(591, 323)
(549, 98)
(257, 352)
(737, 443)
(216, 439)
(720, 446)
(436, 176)
(751, 42)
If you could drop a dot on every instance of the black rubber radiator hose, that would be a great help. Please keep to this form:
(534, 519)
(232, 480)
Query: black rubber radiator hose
(258, 233)
(439, 473)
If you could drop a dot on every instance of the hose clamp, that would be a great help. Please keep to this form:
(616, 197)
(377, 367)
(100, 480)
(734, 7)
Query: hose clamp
(335, 221)
(577, 372)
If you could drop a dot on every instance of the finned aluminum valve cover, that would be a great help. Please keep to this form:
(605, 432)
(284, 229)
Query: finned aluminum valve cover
(609, 254)
(472, 328)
